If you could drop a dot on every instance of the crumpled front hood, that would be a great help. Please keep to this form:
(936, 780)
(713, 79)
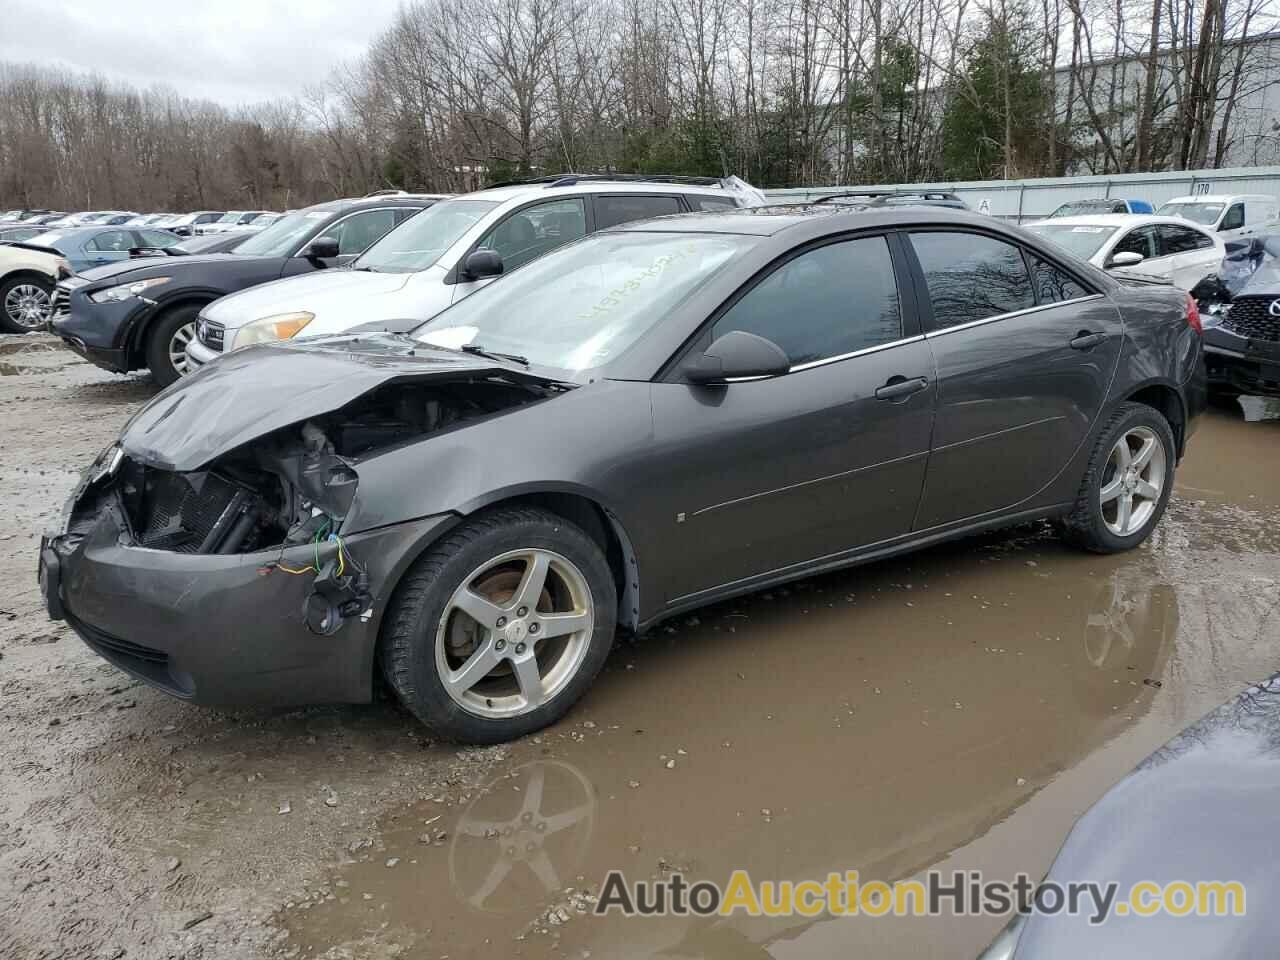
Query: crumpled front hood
(252, 392)
(353, 294)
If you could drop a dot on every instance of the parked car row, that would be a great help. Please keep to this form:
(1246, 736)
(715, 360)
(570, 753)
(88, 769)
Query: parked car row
(529, 415)
(1229, 215)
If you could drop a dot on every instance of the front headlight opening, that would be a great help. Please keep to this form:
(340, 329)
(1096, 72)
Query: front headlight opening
(126, 290)
(283, 326)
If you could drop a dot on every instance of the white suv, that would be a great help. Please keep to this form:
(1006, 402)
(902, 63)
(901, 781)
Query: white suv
(447, 252)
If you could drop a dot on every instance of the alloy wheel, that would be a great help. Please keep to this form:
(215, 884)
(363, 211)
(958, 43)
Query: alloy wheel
(178, 348)
(27, 305)
(1132, 481)
(514, 633)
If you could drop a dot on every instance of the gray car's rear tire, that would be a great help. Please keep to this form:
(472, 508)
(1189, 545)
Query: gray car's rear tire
(499, 628)
(170, 331)
(1127, 484)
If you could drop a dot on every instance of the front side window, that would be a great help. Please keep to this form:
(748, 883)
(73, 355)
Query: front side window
(1180, 240)
(358, 232)
(1141, 241)
(582, 305)
(1233, 219)
(827, 302)
(112, 241)
(535, 230)
(615, 208)
(972, 277)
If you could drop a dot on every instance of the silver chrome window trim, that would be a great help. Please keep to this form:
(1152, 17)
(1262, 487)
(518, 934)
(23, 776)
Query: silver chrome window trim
(855, 353)
(1015, 313)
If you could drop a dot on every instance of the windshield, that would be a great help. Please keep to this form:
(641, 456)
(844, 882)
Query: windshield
(422, 239)
(582, 305)
(1206, 213)
(231, 217)
(282, 237)
(1082, 240)
(1085, 207)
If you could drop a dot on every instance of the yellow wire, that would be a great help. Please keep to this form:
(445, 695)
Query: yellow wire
(291, 570)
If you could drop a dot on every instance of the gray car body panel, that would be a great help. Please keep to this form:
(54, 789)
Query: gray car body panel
(713, 491)
(1202, 808)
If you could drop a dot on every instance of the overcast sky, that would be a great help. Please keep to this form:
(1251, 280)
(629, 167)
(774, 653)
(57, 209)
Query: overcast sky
(232, 51)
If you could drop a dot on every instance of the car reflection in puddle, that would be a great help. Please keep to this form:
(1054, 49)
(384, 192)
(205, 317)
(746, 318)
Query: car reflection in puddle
(888, 777)
(516, 842)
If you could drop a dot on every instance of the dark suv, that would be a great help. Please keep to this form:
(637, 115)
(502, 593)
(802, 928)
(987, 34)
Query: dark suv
(142, 313)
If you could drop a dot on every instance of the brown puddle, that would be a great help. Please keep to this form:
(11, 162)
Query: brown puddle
(958, 708)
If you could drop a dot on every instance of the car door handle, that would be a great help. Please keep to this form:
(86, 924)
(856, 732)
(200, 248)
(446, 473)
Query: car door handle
(899, 388)
(1084, 340)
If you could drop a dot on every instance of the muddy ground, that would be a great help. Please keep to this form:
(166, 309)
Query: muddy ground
(957, 708)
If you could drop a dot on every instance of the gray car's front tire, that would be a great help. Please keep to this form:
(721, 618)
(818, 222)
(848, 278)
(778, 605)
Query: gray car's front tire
(498, 629)
(1127, 484)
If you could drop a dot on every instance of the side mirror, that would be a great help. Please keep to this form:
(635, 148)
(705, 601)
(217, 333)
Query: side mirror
(482, 263)
(1126, 258)
(737, 354)
(321, 248)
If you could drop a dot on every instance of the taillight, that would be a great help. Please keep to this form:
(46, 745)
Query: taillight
(1193, 314)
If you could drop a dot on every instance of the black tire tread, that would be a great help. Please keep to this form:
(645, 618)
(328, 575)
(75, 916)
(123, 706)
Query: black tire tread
(155, 350)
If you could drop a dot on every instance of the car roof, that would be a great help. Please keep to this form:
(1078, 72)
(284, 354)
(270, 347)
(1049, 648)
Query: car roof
(776, 218)
(1116, 220)
(1220, 198)
(570, 185)
(351, 203)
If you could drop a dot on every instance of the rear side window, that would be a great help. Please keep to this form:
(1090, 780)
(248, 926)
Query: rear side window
(1234, 217)
(158, 238)
(612, 209)
(712, 203)
(1174, 239)
(972, 277)
(824, 303)
(1053, 285)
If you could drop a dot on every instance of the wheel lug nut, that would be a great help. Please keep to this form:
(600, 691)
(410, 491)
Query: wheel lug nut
(501, 645)
(534, 628)
(502, 622)
(522, 611)
(520, 648)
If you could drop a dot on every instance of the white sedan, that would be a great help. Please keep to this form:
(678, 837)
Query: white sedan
(1165, 248)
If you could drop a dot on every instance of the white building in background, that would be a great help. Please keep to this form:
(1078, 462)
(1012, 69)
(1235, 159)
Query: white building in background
(1253, 137)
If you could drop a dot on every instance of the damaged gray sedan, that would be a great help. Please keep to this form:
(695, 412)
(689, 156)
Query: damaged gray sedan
(656, 417)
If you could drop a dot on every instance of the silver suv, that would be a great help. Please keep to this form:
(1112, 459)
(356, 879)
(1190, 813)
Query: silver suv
(446, 253)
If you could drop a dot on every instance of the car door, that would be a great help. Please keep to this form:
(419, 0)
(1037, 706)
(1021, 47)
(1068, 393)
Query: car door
(526, 234)
(1189, 253)
(767, 474)
(1025, 353)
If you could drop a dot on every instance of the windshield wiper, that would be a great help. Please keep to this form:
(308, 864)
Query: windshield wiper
(364, 269)
(480, 351)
